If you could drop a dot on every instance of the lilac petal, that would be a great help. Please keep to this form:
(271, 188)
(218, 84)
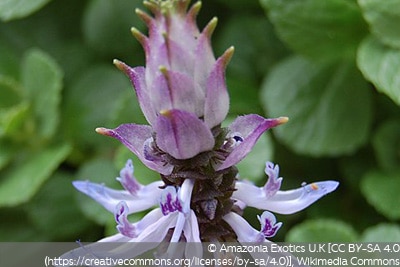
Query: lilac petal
(137, 77)
(134, 136)
(181, 58)
(283, 202)
(269, 226)
(204, 56)
(146, 198)
(182, 135)
(250, 127)
(216, 106)
(243, 230)
(184, 93)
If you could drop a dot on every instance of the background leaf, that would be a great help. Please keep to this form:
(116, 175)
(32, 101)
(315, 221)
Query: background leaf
(100, 171)
(380, 65)
(319, 101)
(91, 102)
(383, 232)
(318, 29)
(15, 9)
(381, 17)
(42, 80)
(381, 189)
(106, 26)
(49, 214)
(20, 184)
(322, 230)
(386, 144)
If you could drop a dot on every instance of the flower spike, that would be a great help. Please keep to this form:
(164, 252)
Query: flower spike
(183, 95)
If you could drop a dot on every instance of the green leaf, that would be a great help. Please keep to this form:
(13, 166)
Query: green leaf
(10, 92)
(42, 80)
(257, 48)
(244, 96)
(318, 29)
(9, 61)
(383, 18)
(16, 227)
(20, 183)
(106, 26)
(380, 65)
(239, 4)
(15, 9)
(97, 171)
(319, 99)
(12, 119)
(6, 154)
(386, 144)
(92, 102)
(383, 232)
(13, 109)
(322, 230)
(381, 189)
(62, 218)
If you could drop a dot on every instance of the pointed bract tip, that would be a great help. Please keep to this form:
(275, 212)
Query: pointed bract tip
(166, 113)
(163, 69)
(210, 27)
(228, 54)
(282, 120)
(103, 131)
(138, 11)
(197, 6)
(119, 64)
(143, 15)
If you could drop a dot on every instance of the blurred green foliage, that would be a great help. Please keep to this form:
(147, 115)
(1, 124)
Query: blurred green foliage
(332, 66)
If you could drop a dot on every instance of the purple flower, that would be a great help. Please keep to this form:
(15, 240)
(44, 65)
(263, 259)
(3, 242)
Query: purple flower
(183, 95)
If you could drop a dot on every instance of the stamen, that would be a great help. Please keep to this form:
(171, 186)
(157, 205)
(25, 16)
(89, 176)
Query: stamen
(314, 186)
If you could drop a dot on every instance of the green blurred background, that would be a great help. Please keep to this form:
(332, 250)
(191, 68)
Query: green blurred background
(332, 66)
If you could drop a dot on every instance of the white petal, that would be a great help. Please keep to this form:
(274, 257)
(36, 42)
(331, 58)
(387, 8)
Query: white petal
(191, 229)
(185, 194)
(244, 231)
(180, 223)
(147, 197)
(283, 202)
(115, 238)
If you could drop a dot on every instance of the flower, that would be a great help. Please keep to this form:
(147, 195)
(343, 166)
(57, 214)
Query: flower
(183, 95)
